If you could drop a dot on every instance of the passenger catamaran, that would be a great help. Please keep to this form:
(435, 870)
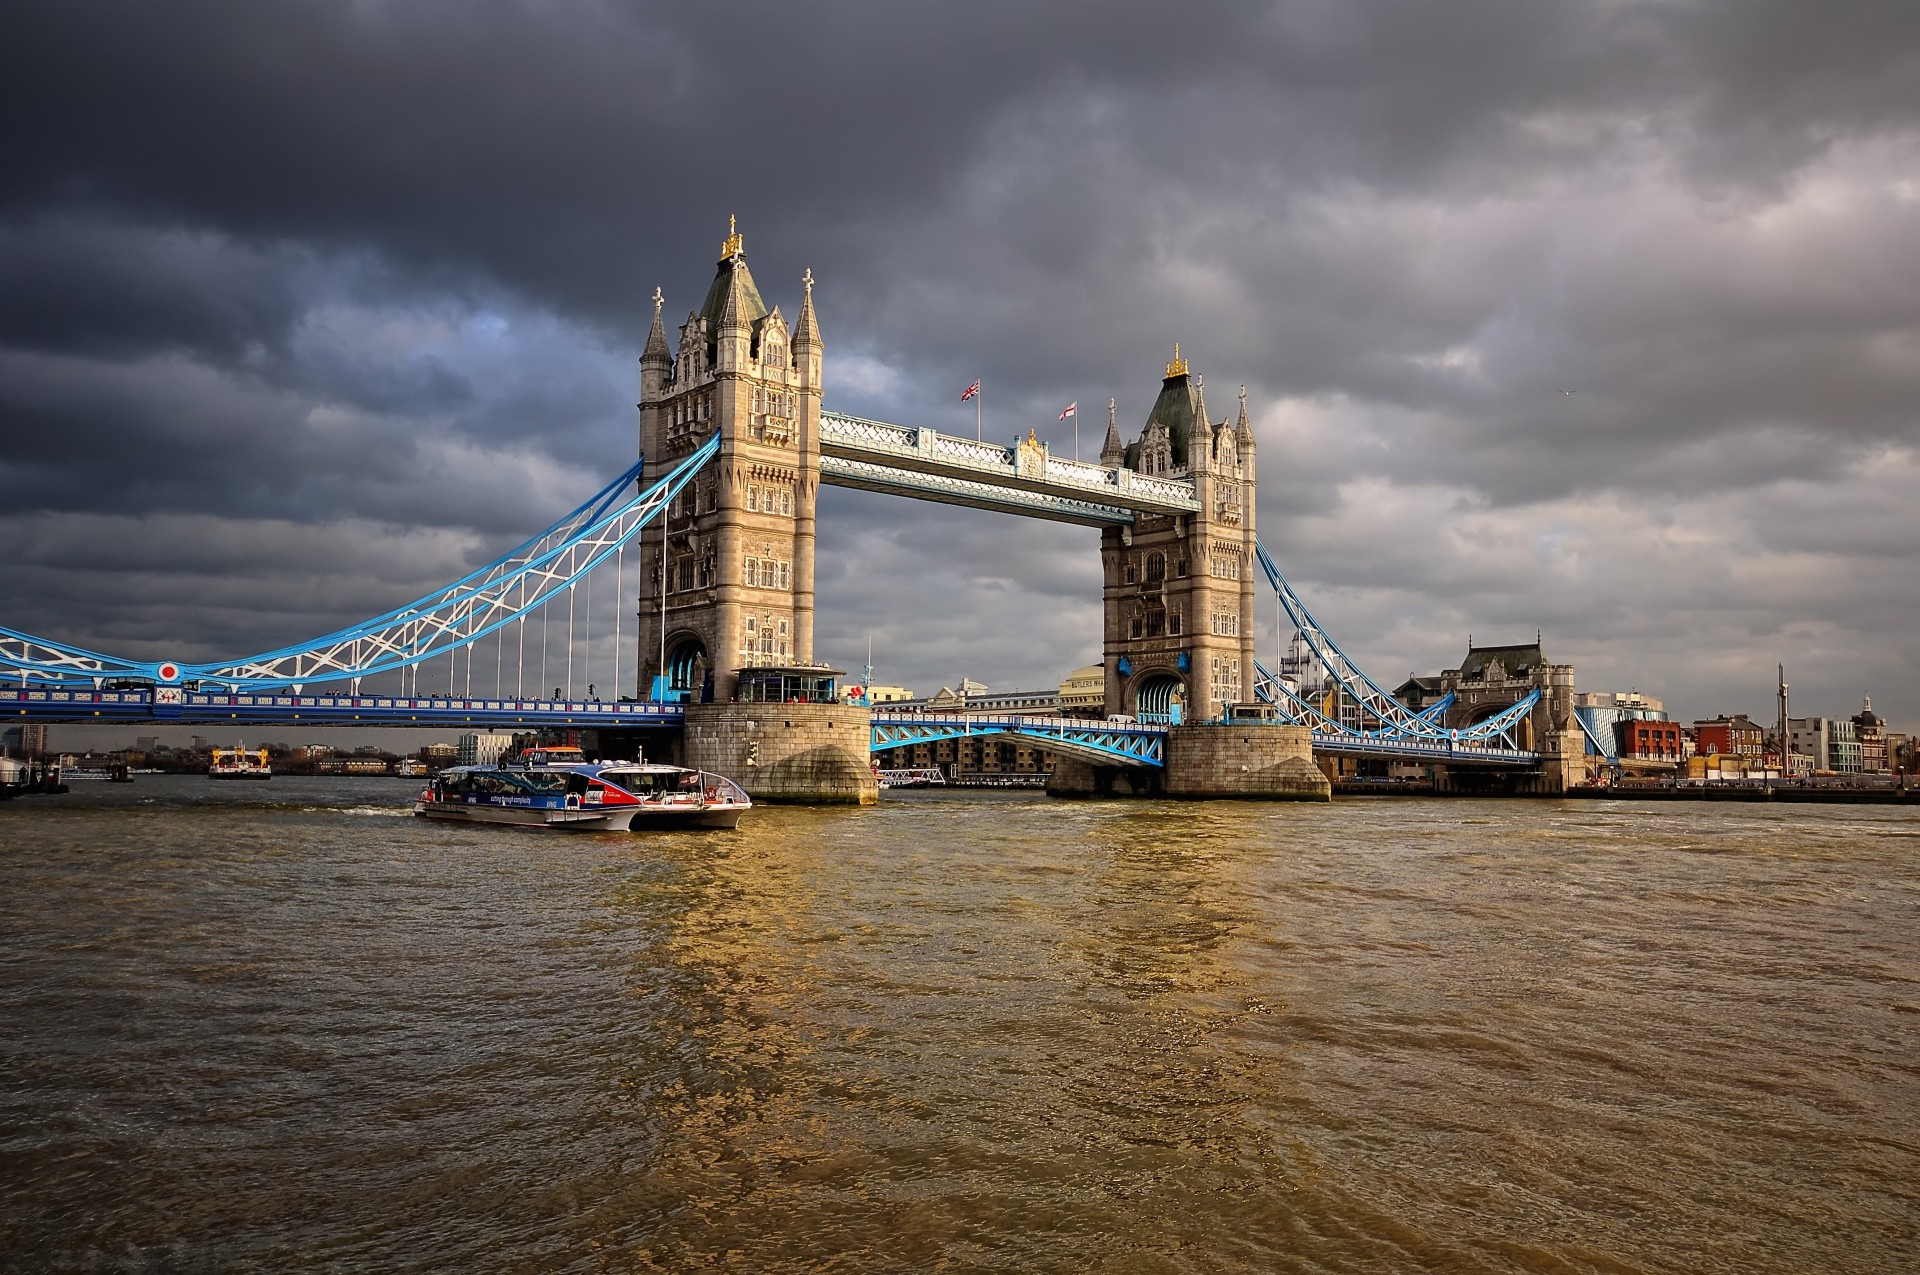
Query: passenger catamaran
(556, 787)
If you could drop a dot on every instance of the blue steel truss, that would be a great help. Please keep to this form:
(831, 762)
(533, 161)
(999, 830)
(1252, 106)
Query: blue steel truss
(1107, 743)
(1382, 717)
(506, 589)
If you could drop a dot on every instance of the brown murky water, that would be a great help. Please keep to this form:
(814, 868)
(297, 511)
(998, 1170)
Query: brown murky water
(285, 1028)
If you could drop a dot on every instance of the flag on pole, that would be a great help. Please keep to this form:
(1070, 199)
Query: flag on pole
(971, 391)
(1073, 409)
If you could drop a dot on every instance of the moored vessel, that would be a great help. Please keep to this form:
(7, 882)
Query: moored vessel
(238, 763)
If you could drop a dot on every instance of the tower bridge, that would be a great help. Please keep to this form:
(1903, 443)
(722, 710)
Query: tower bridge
(719, 518)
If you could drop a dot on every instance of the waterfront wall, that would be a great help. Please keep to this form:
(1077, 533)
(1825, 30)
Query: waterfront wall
(816, 754)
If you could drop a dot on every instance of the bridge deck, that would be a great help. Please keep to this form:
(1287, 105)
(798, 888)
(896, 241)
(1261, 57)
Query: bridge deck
(188, 708)
(1124, 743)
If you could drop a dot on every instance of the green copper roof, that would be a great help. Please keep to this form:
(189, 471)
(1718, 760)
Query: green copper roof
(1174, 409)
(732, 273)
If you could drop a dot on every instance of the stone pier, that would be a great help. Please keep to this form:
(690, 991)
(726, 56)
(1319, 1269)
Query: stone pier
(1244, 759)
(1256, 761)
(810, 754)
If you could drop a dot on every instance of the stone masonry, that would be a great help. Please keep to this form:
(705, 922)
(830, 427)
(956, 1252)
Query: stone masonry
(815, 754)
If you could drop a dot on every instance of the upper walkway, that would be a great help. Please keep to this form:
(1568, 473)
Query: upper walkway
(1027, 478)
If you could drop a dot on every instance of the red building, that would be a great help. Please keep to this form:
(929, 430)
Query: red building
(1737, 736)
(1650, 741)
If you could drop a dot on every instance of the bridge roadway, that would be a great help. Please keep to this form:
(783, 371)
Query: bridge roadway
(1104, 742)
(172, 706)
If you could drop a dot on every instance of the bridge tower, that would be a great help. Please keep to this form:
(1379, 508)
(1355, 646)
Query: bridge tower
(1179, 638)
(735, 551)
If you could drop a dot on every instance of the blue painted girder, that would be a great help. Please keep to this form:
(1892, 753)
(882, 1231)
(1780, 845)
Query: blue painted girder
(1106, 743)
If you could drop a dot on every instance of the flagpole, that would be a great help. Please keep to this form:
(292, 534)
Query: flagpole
(976, 412)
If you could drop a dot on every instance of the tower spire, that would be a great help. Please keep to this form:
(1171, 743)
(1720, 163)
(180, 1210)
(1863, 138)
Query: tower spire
(806, 328)
(656, 350)
(1113, 452)
(1243, 431)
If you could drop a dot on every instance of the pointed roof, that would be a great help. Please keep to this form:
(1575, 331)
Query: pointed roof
(1177, 407)
(1243, 432)
(806, 329)
(732, 300)
(1113, 451)
(656, 347)
(1522, 659)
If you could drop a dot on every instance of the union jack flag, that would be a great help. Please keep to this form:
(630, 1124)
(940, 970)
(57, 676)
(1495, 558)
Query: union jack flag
(971, 391)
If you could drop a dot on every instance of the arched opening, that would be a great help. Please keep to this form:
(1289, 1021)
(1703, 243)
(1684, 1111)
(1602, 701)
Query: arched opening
(1522, 730)
(1162, 698)
(687, 668)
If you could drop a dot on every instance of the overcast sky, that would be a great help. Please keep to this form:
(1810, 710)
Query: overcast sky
(307, 308)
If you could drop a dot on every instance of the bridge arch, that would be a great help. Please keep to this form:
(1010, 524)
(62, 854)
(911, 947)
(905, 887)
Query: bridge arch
(687, 664)
(1522, 732)
(1160, 695)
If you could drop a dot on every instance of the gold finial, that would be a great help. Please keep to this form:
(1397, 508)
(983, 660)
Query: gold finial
(1179, 365)
(734, 244)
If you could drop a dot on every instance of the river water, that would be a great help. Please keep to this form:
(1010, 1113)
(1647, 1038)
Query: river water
(285, 1027)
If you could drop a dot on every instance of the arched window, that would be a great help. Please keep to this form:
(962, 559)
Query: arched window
(1156, 567)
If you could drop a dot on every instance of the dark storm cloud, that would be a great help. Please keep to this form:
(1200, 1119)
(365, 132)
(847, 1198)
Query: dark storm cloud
(372, 277)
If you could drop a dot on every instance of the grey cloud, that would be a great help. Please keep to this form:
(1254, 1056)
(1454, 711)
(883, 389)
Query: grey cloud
(345, 269)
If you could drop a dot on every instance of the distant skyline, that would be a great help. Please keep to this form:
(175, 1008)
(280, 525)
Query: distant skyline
(1601, 319)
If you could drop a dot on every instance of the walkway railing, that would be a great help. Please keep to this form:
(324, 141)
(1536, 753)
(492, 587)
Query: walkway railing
(1012, 469)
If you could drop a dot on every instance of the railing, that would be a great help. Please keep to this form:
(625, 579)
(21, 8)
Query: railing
(1129, 743)
(930, 449)
(171, 704)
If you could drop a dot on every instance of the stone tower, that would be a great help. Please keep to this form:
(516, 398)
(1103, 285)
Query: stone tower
(1179, 589)
(737, 544)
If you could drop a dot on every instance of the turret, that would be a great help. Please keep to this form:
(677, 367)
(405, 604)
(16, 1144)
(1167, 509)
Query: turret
(1199, 439)
(1243, 433)
(656, 361)
(1113, 452)
(733, 334)
(806, 337)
